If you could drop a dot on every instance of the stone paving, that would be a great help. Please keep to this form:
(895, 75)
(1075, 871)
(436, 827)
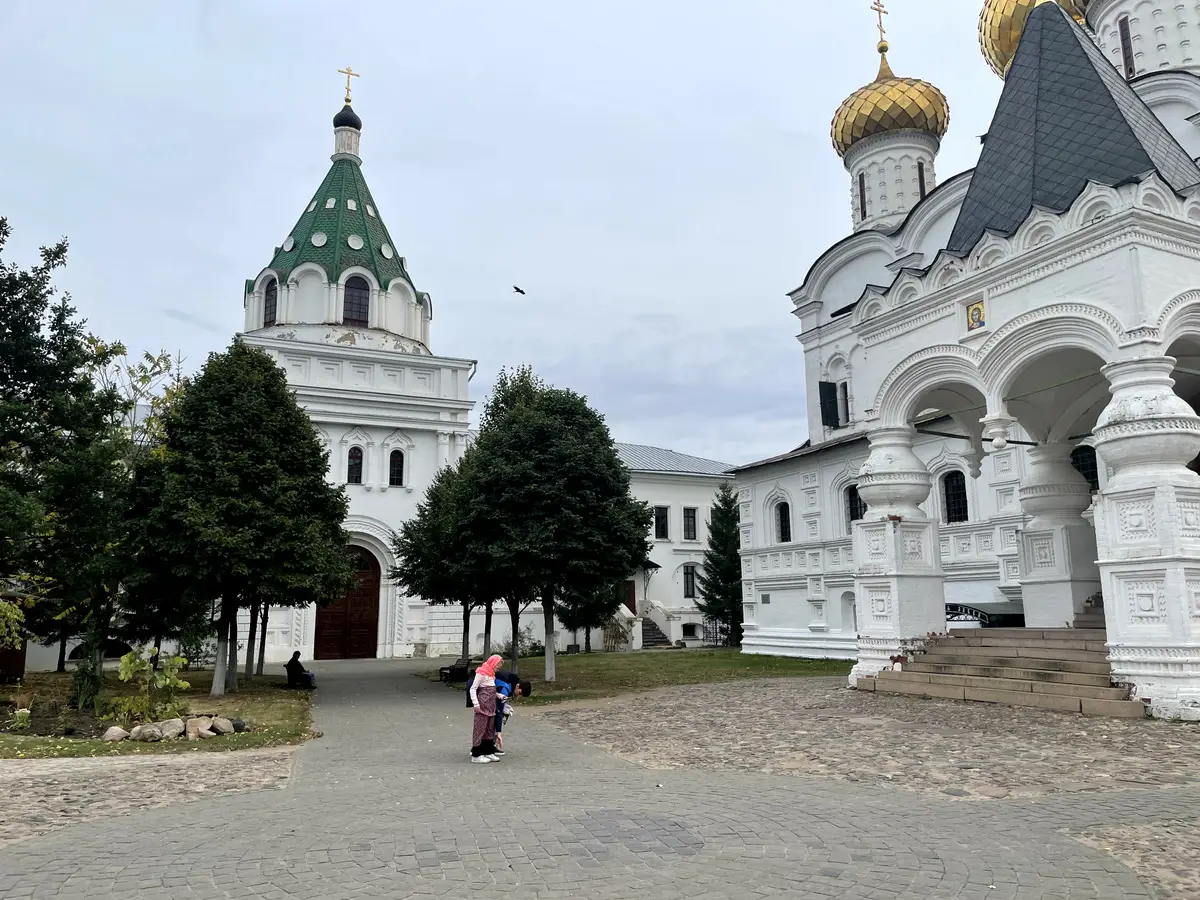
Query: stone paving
(387, 805)
(40, 796)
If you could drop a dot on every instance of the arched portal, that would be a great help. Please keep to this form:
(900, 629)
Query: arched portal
(348, 628)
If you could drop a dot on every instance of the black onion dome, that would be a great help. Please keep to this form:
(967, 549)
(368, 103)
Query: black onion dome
(347, 118)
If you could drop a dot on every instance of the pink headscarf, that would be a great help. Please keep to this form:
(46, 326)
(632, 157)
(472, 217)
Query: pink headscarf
(489, 668)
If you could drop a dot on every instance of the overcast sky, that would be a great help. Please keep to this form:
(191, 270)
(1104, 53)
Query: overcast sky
(657, 175)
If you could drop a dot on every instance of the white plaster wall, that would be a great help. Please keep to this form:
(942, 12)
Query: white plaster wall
(1165, 33)
(889, 166)
(307, 298)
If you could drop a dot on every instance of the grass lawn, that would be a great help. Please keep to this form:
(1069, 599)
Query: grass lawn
(586, 676)
(275, 716)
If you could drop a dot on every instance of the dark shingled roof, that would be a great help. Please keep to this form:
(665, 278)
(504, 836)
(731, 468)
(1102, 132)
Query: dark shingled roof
(1066, 117)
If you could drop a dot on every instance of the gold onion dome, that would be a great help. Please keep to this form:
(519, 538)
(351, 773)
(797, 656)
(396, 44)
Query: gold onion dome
(889, 104)
(1001, 23)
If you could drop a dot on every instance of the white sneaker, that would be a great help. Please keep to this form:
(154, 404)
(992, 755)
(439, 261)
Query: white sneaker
(492, 758)
(482, 759)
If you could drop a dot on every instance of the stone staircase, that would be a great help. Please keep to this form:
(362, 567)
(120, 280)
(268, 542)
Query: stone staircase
(1064, 669)
(652, 636)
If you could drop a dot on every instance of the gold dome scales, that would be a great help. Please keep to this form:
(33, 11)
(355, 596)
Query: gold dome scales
(889, 104)
(1001, 23)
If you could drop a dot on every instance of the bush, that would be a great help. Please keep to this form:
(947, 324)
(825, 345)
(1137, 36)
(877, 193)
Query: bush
(20, 720)
(526, 645)
(158, 691)
(198, 646)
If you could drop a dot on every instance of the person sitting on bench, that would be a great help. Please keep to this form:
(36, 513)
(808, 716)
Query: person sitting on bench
(298, 676)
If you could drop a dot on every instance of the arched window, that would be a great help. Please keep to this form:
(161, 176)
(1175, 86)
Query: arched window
(855, 508)
(1083, 458)
(689, 581)
(783, 522)
(354, 466)
(270, 303)
(954, 497)
(396, 468)
(358, 302)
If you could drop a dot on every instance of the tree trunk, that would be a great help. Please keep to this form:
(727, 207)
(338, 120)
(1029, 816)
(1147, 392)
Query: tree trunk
(231, 668)
(548, 620)
(62, 655)
(514, 617)
(466, 643)
(487, 629)
(157, 653)
(262, 638)
(251, 637)
(218, 685)
(587, 640)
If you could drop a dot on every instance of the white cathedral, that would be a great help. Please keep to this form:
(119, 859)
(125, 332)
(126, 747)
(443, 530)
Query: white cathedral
(1003, 368)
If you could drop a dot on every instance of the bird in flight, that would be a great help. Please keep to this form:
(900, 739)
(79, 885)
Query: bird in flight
(517, 290)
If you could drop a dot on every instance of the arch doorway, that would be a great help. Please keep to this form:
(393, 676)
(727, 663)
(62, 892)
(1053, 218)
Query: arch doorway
(349, 627)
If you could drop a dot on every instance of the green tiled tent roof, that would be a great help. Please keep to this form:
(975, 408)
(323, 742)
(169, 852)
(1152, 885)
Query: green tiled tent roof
(344, 212)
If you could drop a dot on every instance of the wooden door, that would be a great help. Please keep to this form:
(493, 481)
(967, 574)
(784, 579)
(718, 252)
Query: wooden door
(348, 628)
(631, 596)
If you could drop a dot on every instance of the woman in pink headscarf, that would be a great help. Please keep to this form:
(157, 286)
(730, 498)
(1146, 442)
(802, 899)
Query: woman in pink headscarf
(483, 698)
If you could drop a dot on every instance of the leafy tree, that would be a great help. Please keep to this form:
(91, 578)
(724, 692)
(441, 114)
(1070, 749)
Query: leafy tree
(431, 551)
(589, 609)
(549, 513)
(55, 422)
(246, 512)
(720, 581)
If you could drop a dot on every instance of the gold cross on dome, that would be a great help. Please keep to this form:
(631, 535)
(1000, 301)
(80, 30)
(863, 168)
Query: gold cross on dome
(350, 73)
(877, 7)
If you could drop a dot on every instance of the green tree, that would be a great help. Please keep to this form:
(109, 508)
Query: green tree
(431, 551)
(246, 512)
(720, 581)
(589, 609)
(549, 513)
(55, 422)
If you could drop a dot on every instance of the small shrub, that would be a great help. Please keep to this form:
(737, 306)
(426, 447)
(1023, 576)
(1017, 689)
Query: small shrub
(20, 720)
(526, 645)
(86, 683)
(158, 691)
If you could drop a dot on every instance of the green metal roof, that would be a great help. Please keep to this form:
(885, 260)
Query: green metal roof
(345, 222)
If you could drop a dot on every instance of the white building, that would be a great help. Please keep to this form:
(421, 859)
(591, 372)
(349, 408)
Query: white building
(337, 309)
(1046, 307)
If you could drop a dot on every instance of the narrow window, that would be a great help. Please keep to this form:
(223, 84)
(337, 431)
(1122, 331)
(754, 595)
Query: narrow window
(862, 196)
(396, 468)
(1126, 48)
(662, 519)
(827, 394)
(358, 302)
(689, 581)
(270, 303)
(689, 523)
(855, 508)
(354, 466)
(954, 497)
(843, 403)
(783, 523)
(1083, 458)
(921, 177)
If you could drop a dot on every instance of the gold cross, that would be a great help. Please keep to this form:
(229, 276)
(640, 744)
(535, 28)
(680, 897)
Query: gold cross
(877, 7)
(350, 73)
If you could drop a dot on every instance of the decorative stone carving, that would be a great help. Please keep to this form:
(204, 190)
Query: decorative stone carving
(893, 481)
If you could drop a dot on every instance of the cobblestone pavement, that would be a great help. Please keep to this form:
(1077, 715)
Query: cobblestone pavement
(817, 726)
(939, 748)
(42, 795)
(387, 805)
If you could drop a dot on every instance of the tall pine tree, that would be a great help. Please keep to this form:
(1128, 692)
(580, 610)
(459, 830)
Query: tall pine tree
(720, 581)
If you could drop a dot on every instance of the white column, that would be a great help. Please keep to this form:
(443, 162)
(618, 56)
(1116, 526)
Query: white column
(1058, 547)
(898, 581)
(1148, 536)
(443, 439)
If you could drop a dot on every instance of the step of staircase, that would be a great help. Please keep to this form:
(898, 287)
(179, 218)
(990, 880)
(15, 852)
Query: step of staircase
(896, 683)
(652, 635)
(1064, 669)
